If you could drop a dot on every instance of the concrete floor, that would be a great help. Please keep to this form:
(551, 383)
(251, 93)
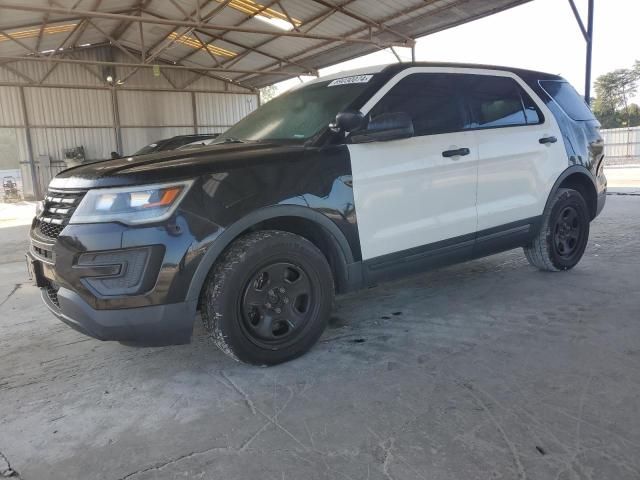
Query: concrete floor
(487, 370)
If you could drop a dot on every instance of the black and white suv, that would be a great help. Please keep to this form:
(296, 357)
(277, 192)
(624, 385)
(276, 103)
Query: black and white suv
(341, 183)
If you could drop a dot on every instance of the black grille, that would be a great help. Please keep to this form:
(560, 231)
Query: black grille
(59, 205)
(49, 230)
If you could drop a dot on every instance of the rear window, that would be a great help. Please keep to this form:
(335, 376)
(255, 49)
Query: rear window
(568, 99)
(499, 102)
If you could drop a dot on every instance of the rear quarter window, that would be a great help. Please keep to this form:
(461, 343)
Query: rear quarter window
(568, 99)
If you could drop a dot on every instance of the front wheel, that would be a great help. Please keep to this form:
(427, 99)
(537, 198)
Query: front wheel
(269, 297)
(563, 236)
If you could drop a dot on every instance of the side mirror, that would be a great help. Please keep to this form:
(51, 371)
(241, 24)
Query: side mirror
(349, 121)
(385, 127)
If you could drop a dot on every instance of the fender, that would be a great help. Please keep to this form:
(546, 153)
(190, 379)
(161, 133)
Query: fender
(580, 169)
(233, 231)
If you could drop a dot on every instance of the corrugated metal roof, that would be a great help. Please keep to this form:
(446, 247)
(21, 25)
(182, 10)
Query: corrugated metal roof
(254, 43)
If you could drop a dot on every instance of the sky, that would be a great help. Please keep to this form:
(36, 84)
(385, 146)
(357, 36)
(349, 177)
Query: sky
(539, 35)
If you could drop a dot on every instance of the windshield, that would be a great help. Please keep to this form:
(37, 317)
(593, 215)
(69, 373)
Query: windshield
(300, 114)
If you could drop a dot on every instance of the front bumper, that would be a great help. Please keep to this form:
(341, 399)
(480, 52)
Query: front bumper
(88, 284)
(155, 325)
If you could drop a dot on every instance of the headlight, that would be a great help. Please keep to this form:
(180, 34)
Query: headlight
(131, 205)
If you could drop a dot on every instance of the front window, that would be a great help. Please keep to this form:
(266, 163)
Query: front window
(430, 99)
(301, 114)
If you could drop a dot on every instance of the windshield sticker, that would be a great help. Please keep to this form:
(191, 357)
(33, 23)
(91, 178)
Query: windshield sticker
(351, 80)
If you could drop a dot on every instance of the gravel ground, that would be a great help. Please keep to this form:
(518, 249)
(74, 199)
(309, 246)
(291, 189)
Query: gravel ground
(486, 370)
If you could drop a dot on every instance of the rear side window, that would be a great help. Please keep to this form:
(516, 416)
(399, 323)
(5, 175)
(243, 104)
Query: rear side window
(568, 99)
(499, 102)
(430, 99)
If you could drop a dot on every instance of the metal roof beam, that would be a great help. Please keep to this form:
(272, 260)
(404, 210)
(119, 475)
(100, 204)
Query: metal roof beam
(366, 21)
(113, 41)
(200, 71)
(286, 14)
(143, 49)
(153, 55)
(122, 27)
(201, 25)
(389, 18)
(16, 58)
(311, 23)
(122, 88)
(18, 42)
(204, 46)
(576, 13)
(220, 36)
(587, 33)
(199, 74)
(187, 17)
(57, 20)
(42, 27)
(247, 49)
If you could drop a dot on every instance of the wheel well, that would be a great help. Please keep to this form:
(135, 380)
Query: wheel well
(317, 235)
(581, 183)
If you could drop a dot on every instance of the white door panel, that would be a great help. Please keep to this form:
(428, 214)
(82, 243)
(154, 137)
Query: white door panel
(516, 172)
(408, 195)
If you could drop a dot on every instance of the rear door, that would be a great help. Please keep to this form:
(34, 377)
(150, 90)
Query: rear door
(410, 193)
(520, 149)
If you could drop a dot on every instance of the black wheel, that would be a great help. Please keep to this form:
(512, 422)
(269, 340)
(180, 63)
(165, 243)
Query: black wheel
(269, 297)
(563, 236)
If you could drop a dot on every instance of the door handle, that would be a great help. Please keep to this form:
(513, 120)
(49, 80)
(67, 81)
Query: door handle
(548, 140)
(460, 152)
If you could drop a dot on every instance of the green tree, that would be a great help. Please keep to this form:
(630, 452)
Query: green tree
(634, 115)
(613, 91)
(268, 93)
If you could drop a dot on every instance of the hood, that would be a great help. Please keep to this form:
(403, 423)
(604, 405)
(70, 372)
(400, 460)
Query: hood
(173, 165)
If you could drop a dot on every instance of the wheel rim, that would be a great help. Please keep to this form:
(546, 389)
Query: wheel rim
(277, 304)
(567, 232)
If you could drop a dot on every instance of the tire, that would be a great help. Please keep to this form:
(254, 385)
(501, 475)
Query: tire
(563, 235)
(268, 298)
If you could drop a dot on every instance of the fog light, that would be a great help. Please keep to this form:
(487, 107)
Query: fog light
(119, 272)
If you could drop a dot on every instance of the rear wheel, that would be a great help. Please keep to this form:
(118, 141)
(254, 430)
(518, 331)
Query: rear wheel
(268, 299)
(563, 236)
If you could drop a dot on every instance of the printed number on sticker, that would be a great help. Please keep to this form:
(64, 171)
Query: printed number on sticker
(351, 80)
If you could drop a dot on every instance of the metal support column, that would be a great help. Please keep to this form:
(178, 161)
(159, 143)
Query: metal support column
(35, 182)
(116, 121)
(194, 108)
(587, 33)
(587, 88)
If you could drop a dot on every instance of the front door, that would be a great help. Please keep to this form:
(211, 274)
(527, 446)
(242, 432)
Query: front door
(415, 192)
